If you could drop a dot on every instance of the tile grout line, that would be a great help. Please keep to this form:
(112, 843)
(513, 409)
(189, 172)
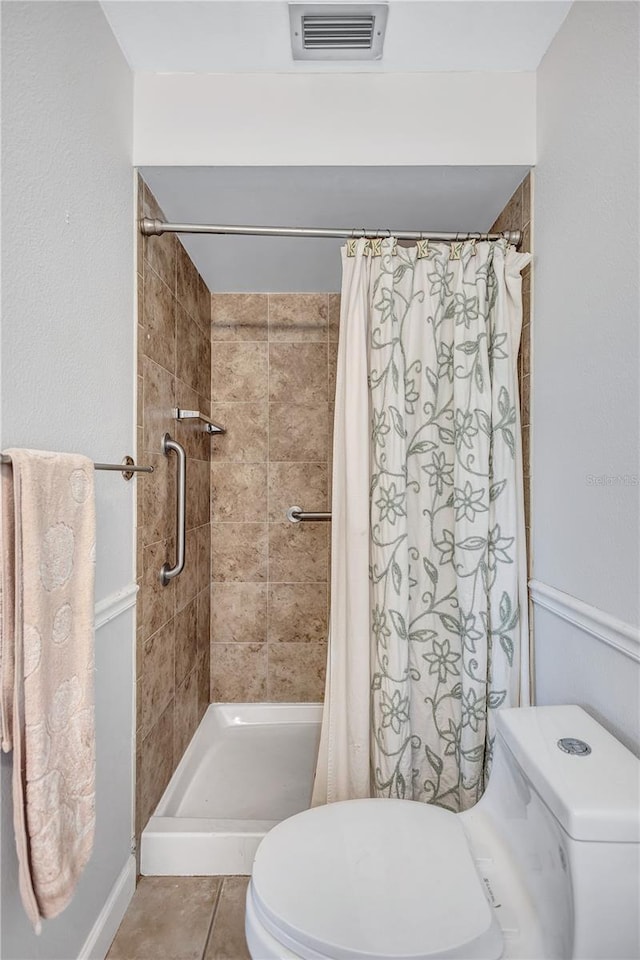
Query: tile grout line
(216, 904)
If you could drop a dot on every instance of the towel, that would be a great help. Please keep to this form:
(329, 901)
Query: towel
(46, 669)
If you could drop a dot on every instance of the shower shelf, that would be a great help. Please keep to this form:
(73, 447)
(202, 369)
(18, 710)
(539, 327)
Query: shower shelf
(210, 427)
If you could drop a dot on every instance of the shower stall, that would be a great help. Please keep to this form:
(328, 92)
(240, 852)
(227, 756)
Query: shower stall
(248, 766)
(232, 652)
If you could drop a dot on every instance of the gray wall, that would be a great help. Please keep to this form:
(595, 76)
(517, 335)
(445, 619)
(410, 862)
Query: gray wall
(68, 365)
(586, 358)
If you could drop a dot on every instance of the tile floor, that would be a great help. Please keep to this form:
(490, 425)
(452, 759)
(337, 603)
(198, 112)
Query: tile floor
(184, 918)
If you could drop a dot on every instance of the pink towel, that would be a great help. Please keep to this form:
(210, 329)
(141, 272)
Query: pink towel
(46, 669)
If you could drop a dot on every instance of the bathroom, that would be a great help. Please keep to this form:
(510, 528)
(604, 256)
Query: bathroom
(197, 113)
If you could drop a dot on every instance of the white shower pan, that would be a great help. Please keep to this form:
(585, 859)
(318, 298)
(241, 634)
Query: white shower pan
(248, 766)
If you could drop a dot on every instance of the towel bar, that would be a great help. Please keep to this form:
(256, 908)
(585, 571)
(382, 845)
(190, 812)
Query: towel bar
(127, 468)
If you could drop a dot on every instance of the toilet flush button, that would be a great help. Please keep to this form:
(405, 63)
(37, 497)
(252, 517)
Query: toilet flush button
(577, 748)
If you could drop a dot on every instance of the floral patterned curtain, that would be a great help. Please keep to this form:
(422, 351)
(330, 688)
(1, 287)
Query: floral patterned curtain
(429, 340)
(447, 570)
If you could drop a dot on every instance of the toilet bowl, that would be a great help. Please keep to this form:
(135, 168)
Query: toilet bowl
(546, 865)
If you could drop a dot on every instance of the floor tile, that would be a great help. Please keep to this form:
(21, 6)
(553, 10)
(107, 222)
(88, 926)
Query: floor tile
(227, 940)
(168, 919)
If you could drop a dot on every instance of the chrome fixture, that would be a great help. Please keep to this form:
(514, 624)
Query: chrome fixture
(151, 227)
(127, 468)
(577, 748)
(210, 426)
(337, 31)
(168, 573)
(297, 514)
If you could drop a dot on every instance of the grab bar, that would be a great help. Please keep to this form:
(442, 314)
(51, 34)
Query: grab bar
(296, 514)
(167, 573)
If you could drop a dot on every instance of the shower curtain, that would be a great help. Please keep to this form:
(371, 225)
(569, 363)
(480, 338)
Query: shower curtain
(428, 632)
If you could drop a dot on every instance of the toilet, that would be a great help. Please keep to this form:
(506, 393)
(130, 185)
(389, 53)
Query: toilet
(546, 865)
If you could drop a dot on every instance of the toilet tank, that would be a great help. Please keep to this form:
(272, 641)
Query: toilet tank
(570, 822)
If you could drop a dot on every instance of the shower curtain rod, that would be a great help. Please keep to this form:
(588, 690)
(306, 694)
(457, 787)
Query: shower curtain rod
(154, 228)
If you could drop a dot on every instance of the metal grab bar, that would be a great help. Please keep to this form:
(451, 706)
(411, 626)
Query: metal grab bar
(296, 514)
(167, 573)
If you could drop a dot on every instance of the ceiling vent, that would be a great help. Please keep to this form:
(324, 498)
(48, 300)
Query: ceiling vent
(340, 31)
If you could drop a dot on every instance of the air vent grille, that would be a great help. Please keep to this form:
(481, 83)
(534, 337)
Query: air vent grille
(337, 31)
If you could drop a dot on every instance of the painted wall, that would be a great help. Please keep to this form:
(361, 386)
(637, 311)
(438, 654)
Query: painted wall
(68, 375)
(585, 362)
(318, 119)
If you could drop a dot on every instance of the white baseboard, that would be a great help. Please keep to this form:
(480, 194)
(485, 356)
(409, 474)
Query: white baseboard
(97, 944)
(116, 603)
(623, 637)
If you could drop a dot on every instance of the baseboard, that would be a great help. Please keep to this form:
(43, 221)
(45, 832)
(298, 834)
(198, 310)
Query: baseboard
(621, 636)
(97, 944)
(113, 605)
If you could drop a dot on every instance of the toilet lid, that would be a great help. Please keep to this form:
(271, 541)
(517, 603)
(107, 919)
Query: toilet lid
(374, 879)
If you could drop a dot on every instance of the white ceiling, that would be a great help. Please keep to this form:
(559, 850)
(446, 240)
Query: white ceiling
(245, 36)
(404, 198)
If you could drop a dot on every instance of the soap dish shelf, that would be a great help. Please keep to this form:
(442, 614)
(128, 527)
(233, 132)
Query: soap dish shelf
(210, 427)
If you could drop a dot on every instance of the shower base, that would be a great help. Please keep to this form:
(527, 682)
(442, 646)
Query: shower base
(248, 766)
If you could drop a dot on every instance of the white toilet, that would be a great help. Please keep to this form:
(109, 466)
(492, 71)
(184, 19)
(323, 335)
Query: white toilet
(546, 865)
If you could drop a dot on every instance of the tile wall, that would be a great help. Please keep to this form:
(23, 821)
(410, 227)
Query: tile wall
(174, 362)
(517, 216)
(272, 385)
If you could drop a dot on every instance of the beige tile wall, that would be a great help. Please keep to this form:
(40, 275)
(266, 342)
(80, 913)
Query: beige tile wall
(272, 380)
(174, 362)
(517, 216)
